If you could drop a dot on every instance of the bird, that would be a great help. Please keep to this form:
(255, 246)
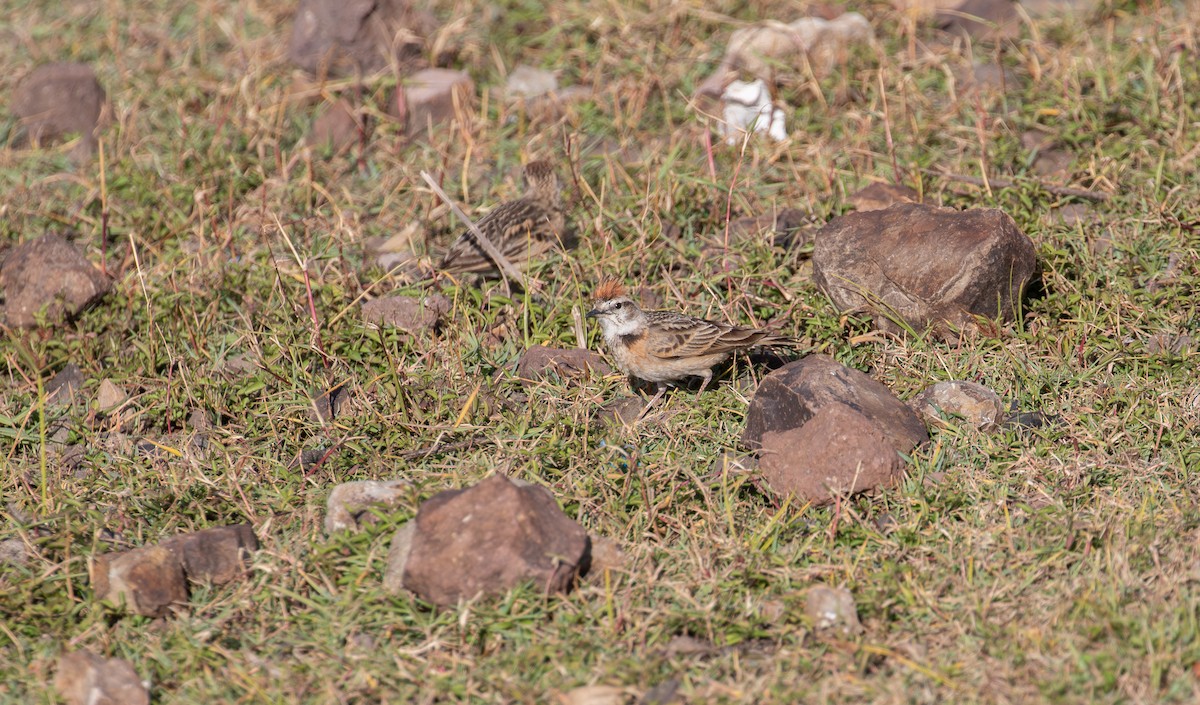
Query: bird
(521, 229)
(665, 347)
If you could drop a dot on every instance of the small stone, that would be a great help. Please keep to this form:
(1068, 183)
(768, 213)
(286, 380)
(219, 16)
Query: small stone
(65, 386)
(977, 405)
(409, 314)
(83, 678)
(149, 580)
(880, 195)
(568, 364)
(327, 405)
(768, 49)
(50, 277)
(623, 411)
(607, 555)
(340, 37)
(351, 504)
(489, 538)
(838, 452)
(832, 608)
(790, 396)
(59, 99)
(13, 552)
(917, 266)
(433, 97)
(215, 556)
(528, 82)
(595, 695)
(337, 128)
(109, 396)
(983, 20)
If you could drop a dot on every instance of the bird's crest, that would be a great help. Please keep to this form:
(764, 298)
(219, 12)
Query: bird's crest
(609, 289)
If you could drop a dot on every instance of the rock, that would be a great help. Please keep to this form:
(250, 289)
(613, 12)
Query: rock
(783, 228)
(606, 555)
(327, 405)
(568, 364)
(149, 580)
(748, 107)
(982, 20)
(83, 678)
(48, 275)
(926, 266)
(880, 195)
(397, 558)
(215, 556)
(974, 403)
(790, 396)
(489, 538)
(56, 100)
(838, 452)
(595, 695)
(771, 49)
(433, 97)
(407, 313)
(337, 128)
(65, 386)
(110, 396)
(832, 608)
(529, 82)
(350, 503)
(13, 552)
(341, 37)
(623, 411)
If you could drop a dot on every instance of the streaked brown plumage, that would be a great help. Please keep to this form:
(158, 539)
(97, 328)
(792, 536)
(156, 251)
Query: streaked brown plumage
(521, 229)
(664, 346)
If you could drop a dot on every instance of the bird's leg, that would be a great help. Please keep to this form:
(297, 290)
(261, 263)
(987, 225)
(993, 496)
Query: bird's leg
(707, 376)
(662, 389)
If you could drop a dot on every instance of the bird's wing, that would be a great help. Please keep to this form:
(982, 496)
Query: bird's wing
(676, 335)
(519, 229)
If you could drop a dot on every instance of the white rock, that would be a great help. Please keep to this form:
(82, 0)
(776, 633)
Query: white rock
(748, 108)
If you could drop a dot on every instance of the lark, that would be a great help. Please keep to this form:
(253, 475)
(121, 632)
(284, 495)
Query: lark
(521, 230)
(665, 347)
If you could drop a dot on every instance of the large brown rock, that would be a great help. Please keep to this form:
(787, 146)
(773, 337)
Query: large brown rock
(83, 678)
(339, 37)
(56, 100)
(792, 395)
(839, 451)
(539, 362)
(217, 555)
(149, 580)
(926, 266)
(48, 276)
(489, 538)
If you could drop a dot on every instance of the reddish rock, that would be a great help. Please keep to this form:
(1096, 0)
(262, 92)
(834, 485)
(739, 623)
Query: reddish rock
(839, 451)
(341, 37)
(337, 128)
(433, 97)
(926, 266)
(880, 195)
(60, 99)
(540, 362)
(792, 395)
(407, 313)
(217, 555)
(48, 276)
(83, 678)
(489, 538)
(149, 580)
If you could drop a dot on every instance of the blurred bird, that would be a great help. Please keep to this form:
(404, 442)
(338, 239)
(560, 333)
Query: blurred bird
(664, 346)
(521, 229)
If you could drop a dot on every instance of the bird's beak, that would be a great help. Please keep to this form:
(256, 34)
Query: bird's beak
(591, 314)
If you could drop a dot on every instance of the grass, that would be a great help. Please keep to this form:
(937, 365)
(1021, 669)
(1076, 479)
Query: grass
(1052, 565)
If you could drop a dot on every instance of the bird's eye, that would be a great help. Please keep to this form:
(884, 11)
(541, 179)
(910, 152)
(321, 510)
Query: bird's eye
(618, 305)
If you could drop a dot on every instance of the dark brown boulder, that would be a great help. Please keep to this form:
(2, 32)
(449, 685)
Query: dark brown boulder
(48, 276)
(792, 395)
(59, 99)
(489, 538)
(926, 266)
(539, 362)
(839, 451)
